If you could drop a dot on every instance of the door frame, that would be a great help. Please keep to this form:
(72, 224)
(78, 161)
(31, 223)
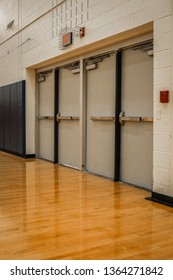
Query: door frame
(56, 108)
(118, 81)
(82, 114)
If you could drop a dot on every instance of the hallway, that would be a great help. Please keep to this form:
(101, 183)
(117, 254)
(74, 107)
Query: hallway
(52, 212)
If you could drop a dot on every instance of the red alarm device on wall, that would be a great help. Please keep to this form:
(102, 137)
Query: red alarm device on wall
(164, 96)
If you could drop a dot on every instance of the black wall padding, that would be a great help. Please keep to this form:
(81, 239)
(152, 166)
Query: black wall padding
(12, 118)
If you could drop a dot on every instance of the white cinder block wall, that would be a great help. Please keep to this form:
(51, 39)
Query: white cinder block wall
(33, 39)
(162, 112)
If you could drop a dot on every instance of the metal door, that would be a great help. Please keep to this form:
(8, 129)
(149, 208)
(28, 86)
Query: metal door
(46, 116)
(100, 115)
(136, 118)
(68, 115)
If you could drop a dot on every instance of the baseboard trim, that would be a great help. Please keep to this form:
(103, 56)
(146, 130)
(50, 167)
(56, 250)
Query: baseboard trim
(18, 154)
(12, 153)
(30, 156)
(161, 198)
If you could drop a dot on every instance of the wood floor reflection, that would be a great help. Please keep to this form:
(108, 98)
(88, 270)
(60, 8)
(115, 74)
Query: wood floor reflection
(52, 212)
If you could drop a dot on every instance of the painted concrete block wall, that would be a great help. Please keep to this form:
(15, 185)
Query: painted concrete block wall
(32, 10)
(42, 20)
(11, 61)
(8, 12)
(40, 34)
(34, 38)
(163, 71)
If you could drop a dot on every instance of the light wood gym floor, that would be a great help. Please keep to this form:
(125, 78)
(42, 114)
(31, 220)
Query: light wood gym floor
(52, 212)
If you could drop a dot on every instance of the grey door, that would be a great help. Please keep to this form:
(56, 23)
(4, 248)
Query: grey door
(100, 116)
(136, 159)
(68, 116)
(45, 117)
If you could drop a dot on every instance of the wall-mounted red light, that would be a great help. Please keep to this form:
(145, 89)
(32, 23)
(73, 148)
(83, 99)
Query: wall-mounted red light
(164, 96)
(82, 32)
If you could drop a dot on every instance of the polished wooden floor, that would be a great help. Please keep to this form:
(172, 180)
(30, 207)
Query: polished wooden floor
(52, 212)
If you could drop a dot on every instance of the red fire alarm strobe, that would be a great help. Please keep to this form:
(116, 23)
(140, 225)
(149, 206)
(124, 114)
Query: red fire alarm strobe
(82, 32)
(164, 96)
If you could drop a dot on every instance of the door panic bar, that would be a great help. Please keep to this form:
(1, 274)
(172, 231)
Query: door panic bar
(123, 119)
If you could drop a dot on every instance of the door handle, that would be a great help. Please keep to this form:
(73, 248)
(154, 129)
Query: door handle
(66, 118)
(146, 119)
(123, 119)
(46, 117)
(103, 118)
